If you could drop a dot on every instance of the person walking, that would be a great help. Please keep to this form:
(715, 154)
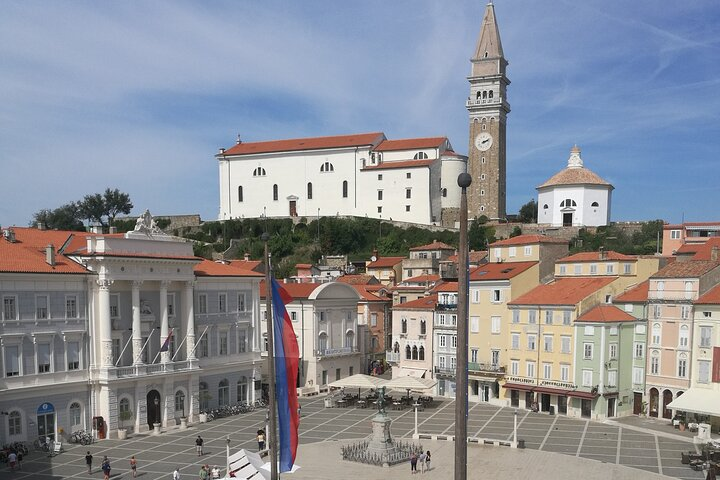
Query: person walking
(427, 460)
(203, 473)
(261, 439)
(198, 445)
(19, 459)
(106, 468)
(413, 462)
(88, 461)
(12, 459)
(176, 474)
(215, 472)
(422, 459)
(133, 466)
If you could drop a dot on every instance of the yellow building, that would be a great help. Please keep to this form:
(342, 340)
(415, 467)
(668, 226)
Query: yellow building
(630, 270)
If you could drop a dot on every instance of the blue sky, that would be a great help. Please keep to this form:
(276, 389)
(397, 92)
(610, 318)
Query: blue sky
(140, 95)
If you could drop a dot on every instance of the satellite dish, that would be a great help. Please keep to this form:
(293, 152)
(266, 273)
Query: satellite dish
(373, 258)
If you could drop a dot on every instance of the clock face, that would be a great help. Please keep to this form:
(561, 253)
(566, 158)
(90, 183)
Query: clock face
(483, 141)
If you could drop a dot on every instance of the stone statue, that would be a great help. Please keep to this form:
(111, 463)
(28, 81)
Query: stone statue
(146, 224)
(381, 400)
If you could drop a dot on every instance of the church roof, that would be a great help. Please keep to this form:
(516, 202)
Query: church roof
(575, 174)
(489, 40)
(410, 143)
(313, 143)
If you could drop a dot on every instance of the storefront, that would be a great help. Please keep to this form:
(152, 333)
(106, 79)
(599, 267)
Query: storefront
(46, 421)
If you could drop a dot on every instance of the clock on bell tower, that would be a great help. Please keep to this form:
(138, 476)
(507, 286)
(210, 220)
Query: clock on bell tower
(487, 108)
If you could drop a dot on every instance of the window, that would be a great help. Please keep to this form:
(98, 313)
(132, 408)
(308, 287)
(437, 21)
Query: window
(577, 269)
(547, 371)
(531, 342)
(639, 350)
(516, 316)
(202, 303)
(612, 378)
(222, 302)
(420, 156)
(587, 378)
(682, 366)
(414, 352)
(441, 361)
(495, 325)
(655, 363)
(275, 192)
(640, 329)
(71, 306)
(179, 401)
(567, 316)
(613, 351)
(688, 290)
(259, 172)
(515, 341)
(223, 343)
(403, 325)
(563, 269)
(528, 250)
(589, 330)
(322, 342)
(594, 204)
(345, 189)
(408, 193)
(548, 317)
(684, 338)
(627, 268)
(9, 308)
(241, 302)
(703, 372)
(707, 314)
(684, 312)
(564, 373)
(242, 341)
(421, 355)
(223, 393)
(171, 304)
(453, 362)
(407, 208)
(568, 203)
(350, 340)
(203, 347)
(41, 307)
(123, 406)
(530, 369)
(587, 351)
(379, 176)
(548, 343)
(613, 330)
(593, 269)
(675, 234)
(408, 175)
(473, 355)
(512, 252)
(475, 295)
(610, 268)
(444, 192)
(326, 168)
(240, 193)
(12, 360)
(43, 357)
(564, 344)
(496, 296)
(408, 353)
(374, 317)
(638, 375)
(531, 316)
(442, 340)
(75, 414)
(514, 367)
(705, 336)
(379, 209)
(453, 341)
(309, 191)
(72, 352)
(204, 396)
(380, 194)
(655, 339)
(475, 324)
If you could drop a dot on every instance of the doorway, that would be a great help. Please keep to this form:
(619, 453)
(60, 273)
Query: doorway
(562, 404)
(485, 393)
(514, 398)
(611, 407)
(567, 219)
(46, 421)
(545, 402)
(667, 398)
(153, 408)
(529, 399)
(637, 403)
(585, 408)
(293, 208)
(654, 400)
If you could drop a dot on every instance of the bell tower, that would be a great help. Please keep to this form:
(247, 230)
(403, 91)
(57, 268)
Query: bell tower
(487, 109)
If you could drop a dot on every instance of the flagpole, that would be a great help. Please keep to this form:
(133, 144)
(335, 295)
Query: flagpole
(123, 351)
(167, 339)
(177, 350)
(198, 341)
(272, 437)
(146, 342)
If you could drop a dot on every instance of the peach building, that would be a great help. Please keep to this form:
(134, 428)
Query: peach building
(687, 234)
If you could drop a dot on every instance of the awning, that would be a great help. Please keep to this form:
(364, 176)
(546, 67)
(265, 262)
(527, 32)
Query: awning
(519, 386)
(698, 400)
(567, 393)
(412, 372)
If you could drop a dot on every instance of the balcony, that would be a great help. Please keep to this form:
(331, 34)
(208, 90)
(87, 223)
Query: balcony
(444, 307)
(43, 379)
(392, 357)
(493, 368)
(336, 352)
(445, 372)
(151, 369)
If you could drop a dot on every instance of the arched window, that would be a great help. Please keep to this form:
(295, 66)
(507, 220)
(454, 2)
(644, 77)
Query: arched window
(414, 353)
(322, 341)
(345, 189)
(423, 327)
(242, 389)
(309, 191)
(124, 408)
(477, 97)
(75, 414)
(688, 290)
(408, 352)
(259, 172)
(684, 339)
(594, 204)
(15, 423)
(403, 325)
(568, 203)
(545, 207)
(444, 192)
(204, 395)
(484, 94)
(421, 353)
(180, 402)
(350, 339)
(396, 347)
(223, 392)
(421, 156)
(275, 192)
(240, 193)
(327, 167)
(490, 94)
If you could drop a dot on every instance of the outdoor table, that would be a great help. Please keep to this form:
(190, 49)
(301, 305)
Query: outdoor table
(419, 406)
(397, 405)
(362, 403)
(341, 403)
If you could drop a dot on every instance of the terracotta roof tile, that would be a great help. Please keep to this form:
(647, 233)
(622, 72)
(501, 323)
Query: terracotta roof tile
(637, 294)
(369, 295)
(595, 257)
(237, 268)
(704, 252)
(295, 290)
(385, 262)
(689, 269)
(499, 271)
(605, 314)
(358, 279)
(24, 258)
(575, 176)
(312, 143)
(433, 246)
(528, 240)
(410, 143)
(399, 164)
(711, 297)
(473, 257)
(564, 291)
(421, 279)
(425, 303)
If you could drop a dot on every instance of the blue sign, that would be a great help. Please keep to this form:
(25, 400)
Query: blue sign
(45, 408)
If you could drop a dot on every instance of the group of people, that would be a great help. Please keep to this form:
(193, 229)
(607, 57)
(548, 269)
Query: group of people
(105, 466)
(423, 459)
(14, 459)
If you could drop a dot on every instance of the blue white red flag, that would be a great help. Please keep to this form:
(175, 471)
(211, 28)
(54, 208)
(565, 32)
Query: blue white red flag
(287, 357)
(166, 344)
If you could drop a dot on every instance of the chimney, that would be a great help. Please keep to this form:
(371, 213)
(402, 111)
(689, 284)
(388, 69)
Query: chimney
(41, 226)
(97, 229)
(50, 255)
(91, 244)
(714, 253)
(603, 253)
(112, 230)
(246, 257)
(221, 151)
(10, 235)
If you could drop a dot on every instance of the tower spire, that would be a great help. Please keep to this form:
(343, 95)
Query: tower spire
(488, 44)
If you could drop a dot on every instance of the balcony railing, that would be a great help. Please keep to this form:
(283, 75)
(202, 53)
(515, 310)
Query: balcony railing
(335, 352)
(446, 306)
(392, 357)
(152, 369)
(445, 371)
(486, 367)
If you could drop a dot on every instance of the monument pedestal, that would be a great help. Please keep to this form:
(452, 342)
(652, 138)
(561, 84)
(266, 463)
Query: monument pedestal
(380, 443)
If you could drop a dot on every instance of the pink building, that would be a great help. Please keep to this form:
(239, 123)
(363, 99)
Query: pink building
(687, 235)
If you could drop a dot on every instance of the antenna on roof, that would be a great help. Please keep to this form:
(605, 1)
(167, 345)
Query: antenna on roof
(238, 141)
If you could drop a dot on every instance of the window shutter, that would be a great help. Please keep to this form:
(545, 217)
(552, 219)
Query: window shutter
(716, 365)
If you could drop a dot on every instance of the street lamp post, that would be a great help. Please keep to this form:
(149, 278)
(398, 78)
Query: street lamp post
(515, 429)
(182, 401)
(271, 437)
(461, 373)
(416, 431)
(158, 419)
(227, 457)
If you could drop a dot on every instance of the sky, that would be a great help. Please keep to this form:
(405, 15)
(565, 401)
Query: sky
(140, 95)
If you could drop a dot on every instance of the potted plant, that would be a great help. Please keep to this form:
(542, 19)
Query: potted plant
(123, 416)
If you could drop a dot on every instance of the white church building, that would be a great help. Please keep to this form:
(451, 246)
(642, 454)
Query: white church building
(410, 180)
(575, 196)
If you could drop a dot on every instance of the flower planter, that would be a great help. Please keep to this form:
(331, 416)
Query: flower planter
(202, 418)
(183, 423)
(122, 434)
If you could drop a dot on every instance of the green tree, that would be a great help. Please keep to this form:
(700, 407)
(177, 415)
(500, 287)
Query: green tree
(92, 208)
(116, 202)
(528, 212)
(66, 217)
(480, 234)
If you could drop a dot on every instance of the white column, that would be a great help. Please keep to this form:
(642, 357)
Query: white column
(104, 327)
(137, 343)
(164, 356)
(328, 322)
(601, 383)
(188, 301)
(343, 329)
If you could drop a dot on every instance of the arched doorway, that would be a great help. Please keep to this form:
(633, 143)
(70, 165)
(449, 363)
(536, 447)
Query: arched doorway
(46, 421)
(654, 398)
(667, 398)
(153, 408)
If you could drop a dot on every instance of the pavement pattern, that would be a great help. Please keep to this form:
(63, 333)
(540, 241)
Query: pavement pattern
(556, 446)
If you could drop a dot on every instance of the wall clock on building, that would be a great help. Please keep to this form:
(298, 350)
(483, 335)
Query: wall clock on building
(483, 141)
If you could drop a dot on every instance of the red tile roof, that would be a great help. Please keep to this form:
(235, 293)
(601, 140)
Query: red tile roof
(704, 252)
(689, 248)
(637, 294)
(41, 238)
(369, 294)
(711, 297)
(385, 262)
(425, 303)
(595, 257)
(25, 258)
(473, 257)
(410, 143)
(564, 291)
(295, 290)
(303, 266)
(689, 269)
(575, 176)
(237, 268)
(433, 246)
(499, 271)
(314, 143)
(446, 287)
(527, 240)
(605, 314)
(359, 280)
(399, 164)
(421, 279)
